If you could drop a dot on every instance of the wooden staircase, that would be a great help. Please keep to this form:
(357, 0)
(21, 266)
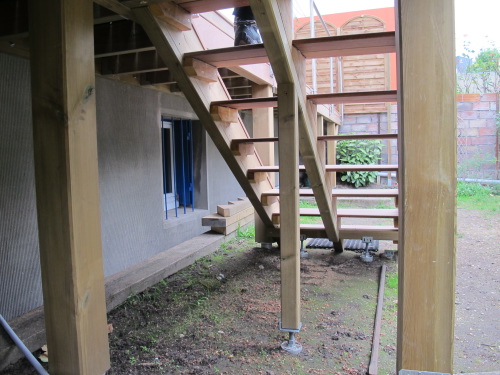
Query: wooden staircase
(195, 71)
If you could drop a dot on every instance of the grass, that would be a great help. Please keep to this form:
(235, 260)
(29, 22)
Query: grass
(473, 195)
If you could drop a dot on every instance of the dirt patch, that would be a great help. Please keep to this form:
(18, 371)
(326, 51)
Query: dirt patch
(221, 315)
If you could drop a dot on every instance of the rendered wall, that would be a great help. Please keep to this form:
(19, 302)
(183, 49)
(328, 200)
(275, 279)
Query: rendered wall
(130, 172)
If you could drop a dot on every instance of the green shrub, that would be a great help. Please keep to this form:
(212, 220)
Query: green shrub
(359, 152)
(472, 189)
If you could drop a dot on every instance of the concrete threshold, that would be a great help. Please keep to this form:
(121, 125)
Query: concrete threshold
(30, 327)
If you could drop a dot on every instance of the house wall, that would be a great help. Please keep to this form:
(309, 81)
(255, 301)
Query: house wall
(133, 222)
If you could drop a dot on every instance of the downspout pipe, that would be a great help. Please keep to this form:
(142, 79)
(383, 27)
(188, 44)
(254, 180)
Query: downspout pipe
(38, 367)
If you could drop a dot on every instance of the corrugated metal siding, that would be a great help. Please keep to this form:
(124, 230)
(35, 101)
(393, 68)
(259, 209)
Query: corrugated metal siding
(20, 280)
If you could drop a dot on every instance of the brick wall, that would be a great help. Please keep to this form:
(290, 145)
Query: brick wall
(477, 134)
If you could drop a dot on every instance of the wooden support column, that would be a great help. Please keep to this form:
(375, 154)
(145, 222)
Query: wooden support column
(66, 175)
(263, 127)
(427, 180)
(289, 206)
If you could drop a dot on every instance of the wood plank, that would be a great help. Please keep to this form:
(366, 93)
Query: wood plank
(232, 209)
(67, 188)
(354, 97)
(428, 221)
(216, 220)
(288, 131)
(347, 45)
(233, 227)
(231, 56)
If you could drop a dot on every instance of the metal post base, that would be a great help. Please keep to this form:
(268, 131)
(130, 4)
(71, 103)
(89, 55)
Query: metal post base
(303, 254)
(366, 256)
(291, 346)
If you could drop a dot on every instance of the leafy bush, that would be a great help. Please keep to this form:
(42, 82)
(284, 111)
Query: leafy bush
(472, 189)
(357, 151)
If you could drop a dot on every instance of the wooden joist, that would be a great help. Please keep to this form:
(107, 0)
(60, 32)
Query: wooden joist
(347, 45)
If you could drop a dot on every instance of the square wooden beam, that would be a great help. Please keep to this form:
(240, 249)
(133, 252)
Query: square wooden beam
(66, 175)
(427, 179)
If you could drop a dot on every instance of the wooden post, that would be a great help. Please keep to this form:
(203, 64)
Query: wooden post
(263, 127)
(66, 175)
(289, 206)
(427, 179)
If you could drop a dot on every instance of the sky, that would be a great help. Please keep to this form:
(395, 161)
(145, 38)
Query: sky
(476, 21)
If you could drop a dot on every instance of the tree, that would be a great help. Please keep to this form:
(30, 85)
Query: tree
(483, 75)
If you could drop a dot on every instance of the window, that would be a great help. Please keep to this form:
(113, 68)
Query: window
(178, 168)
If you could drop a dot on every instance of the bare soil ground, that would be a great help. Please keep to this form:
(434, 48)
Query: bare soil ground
(220, 316)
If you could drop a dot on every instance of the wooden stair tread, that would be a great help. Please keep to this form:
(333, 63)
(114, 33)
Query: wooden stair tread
(365, 193)
(378, 232)
(355, 97)
(361, 167)
(248, 103)
(235, 143)
(331, 168)
(353, 212)
(343, 192)
(231, 56)
(329, 98)
(347, 45)
(332, 46)
(342, 137)
(353, 226)
(202, 6)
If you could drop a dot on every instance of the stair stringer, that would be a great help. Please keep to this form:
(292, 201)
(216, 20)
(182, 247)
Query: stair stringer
(171, 44)
(286, 61)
